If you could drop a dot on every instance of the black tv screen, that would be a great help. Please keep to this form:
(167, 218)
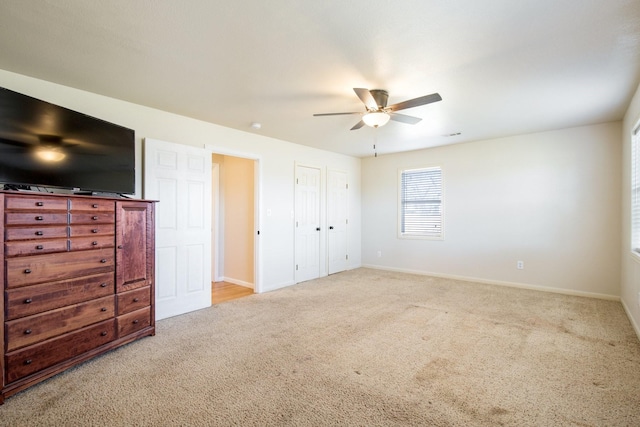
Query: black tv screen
(46, 145)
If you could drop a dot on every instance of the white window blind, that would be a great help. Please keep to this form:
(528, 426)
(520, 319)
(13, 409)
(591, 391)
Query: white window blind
(635, 191)
(421, 203)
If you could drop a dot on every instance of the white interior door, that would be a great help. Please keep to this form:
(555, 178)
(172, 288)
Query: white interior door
(179, 177)
(307, 217)
(337, 220)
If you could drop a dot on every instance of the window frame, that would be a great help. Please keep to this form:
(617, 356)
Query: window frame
(634, 205)
(403, 235)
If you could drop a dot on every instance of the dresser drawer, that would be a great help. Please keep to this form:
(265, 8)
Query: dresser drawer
(34, 247)
(36, 269)
(92, 205)
(133, 322)
(39, 327)
(133, 300)
(92, 230)
(28, 300)
(35, 218)
(35, 203)
(36, 233)
(92, 218)
(91, 242)
(32, 359)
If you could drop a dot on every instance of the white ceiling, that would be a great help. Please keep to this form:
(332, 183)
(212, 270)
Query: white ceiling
(502, 67)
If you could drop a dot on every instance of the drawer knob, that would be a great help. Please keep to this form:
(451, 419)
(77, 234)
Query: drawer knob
(136, 299)
(39, 218)
(28, 362)
(27, 332)
(103, 260)
(103, 285)
(103, 309)
(120, 246)
(95, 218)
(39, 204)
(94, 243)
(135, 322)
(27, 271)
(39, 233)
(94, 205)
(103, 333)
(28, 301)
(95, 230)
(39, 247)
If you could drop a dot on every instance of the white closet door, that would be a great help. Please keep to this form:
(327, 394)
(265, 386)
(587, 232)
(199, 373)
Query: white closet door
(337, 220)
(179, 177)
(307, 217)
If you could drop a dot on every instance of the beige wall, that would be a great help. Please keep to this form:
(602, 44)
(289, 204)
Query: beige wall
(549, 199)
(238, 207)
(630, 288)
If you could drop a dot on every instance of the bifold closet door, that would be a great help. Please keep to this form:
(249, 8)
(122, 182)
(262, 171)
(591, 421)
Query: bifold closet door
(337, 220)
(307, 223)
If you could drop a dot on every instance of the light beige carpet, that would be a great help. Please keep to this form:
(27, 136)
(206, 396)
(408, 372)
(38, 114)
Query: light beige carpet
(365, 348)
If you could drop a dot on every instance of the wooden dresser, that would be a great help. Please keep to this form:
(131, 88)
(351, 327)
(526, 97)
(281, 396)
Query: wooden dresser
(77, 278)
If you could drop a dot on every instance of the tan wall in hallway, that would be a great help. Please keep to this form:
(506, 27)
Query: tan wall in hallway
(237, 218)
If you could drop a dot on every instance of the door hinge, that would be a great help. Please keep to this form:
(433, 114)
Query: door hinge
(346, 221)
(296, 267)
(347, 256)
(346, 186)
(297, 181)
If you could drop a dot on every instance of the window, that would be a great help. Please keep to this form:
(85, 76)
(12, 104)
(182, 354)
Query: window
(635, 191)
(421, 204)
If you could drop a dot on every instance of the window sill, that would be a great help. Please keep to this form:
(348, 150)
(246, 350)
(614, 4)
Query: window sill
(418, 237)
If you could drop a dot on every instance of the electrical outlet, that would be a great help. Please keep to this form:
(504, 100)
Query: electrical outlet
(520, 265)
(379, 254)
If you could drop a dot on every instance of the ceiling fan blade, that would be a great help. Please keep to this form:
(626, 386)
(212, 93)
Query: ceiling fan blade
(404, 118)
(334, 114)
(358, 125)
(13, 142)
(427, 99)
(366, 97)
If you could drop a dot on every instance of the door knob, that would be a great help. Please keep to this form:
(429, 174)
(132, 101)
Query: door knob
(317, 228)
(331, 227)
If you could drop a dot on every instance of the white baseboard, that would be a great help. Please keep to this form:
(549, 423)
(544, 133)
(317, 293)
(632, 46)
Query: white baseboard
(278, 286)
(238, 282)
(500, 283)
(635, 325)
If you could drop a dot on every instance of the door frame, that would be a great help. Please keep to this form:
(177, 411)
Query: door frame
(257, 207)
(215, 227)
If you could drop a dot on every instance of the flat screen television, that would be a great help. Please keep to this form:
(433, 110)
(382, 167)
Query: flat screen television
(46, 145)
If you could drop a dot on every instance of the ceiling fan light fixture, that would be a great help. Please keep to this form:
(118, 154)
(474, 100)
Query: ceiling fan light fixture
(376, 119)
(50, 155)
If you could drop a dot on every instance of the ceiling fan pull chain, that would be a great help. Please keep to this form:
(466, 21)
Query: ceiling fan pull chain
(375, 142)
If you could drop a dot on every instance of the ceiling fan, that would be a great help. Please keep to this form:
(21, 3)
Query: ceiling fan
(378, 113)
(50, 148)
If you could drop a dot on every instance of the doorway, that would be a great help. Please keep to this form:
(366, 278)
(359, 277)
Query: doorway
(233, 229)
